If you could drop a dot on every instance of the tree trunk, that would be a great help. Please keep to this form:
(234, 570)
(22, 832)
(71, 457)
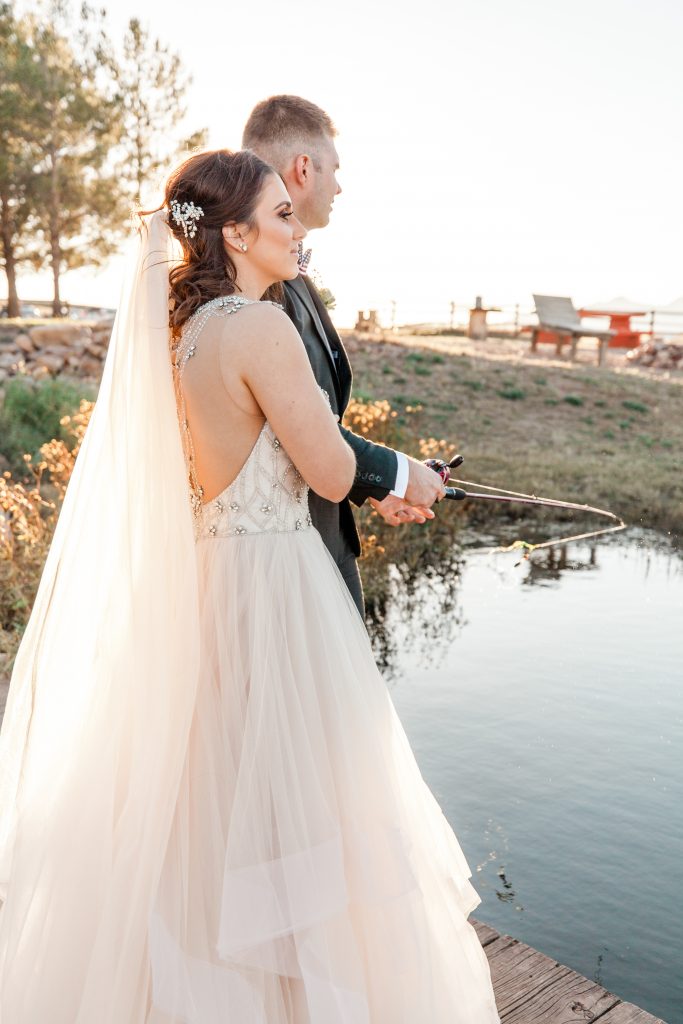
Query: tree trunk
(8, 258)
(54, 225)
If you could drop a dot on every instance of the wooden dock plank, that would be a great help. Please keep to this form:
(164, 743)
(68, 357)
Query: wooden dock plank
(485, 932)
(628, 1013)
(531, 988)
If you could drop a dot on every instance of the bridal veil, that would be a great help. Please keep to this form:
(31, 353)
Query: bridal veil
(103, 690)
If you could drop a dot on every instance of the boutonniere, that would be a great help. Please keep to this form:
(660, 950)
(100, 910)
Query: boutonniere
(304, 259)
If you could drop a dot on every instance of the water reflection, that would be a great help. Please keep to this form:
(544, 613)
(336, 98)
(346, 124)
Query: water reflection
(422, 591)
(548, 566)
(413, 603)
(506, 894)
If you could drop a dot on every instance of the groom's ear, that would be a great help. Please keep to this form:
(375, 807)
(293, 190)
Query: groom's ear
(302, 170)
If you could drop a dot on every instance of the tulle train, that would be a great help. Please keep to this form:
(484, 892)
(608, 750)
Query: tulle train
(310, 877)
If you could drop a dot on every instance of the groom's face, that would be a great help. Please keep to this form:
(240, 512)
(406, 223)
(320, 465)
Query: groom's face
(323, 186)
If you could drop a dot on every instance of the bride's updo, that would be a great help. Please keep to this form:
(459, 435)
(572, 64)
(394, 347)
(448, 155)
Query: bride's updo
(225, 186)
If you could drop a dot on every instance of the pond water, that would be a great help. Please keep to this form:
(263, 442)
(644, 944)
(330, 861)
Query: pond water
(543, 701)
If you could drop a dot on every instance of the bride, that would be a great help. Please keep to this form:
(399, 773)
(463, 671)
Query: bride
(209, 810)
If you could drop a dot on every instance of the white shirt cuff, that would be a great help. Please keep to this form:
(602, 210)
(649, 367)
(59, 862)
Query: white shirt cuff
(402, 473)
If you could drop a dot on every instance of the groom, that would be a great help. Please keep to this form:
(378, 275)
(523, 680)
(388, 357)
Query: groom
(297, 138)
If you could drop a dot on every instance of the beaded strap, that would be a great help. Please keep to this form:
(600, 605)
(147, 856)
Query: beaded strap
(223, 305)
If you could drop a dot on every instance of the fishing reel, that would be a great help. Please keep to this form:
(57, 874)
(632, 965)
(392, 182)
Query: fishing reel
(444, 471)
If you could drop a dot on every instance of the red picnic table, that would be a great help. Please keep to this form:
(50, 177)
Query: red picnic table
(620, 322)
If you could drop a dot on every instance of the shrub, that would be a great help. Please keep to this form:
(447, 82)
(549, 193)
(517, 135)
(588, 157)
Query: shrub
(512, 394)
(29, 513)
(31, 414)
(628, 403)
(573, 400)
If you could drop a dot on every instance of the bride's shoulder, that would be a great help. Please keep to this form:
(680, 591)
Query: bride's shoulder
(266, 321)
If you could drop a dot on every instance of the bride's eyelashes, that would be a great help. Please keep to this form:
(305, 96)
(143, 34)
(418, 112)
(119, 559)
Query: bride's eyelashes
(286, 214)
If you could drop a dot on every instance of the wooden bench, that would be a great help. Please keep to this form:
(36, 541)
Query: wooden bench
(560, 324)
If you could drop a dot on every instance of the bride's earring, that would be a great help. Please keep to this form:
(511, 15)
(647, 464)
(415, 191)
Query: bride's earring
(243, 247)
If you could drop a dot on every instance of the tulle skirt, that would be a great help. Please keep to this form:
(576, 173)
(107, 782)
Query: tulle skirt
(310, 876)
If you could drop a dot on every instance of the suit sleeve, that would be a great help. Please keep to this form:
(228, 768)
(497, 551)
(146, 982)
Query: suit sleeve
(376, 468)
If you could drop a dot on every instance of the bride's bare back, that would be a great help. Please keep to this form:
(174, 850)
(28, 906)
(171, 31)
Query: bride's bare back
(248, 367)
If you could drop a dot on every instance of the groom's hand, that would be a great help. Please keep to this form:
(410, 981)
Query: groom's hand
(425, 486)
(397, 512)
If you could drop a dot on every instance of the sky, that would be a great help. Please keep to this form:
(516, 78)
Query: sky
(488, 147)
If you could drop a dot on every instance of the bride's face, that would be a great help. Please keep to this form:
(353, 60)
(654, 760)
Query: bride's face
(272, 249)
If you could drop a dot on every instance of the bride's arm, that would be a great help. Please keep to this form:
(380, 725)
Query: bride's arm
(276, 369)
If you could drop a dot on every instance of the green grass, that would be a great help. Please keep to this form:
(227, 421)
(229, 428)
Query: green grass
(512, 394)
(30, 415)
(629, 403)
(406, 400)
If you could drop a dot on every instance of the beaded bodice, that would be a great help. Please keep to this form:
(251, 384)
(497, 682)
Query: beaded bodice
(268, 494)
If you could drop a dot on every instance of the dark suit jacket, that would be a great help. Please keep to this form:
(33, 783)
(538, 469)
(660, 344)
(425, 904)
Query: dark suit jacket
(376, 465)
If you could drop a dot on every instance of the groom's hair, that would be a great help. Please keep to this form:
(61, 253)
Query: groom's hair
(282, 127)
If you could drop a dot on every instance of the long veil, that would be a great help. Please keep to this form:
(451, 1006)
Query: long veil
(102, 694)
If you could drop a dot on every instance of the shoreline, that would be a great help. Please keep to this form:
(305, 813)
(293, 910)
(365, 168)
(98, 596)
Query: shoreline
(607, 436)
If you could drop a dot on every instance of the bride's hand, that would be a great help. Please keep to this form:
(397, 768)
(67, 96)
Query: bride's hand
(396, 511)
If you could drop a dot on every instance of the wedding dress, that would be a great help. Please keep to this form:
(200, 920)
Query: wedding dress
(311, 877)
(209, 810)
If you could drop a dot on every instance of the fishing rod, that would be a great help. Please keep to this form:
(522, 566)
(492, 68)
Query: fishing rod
(499, 494)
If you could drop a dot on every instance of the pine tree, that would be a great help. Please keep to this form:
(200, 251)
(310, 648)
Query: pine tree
(18, 152)
(80, 208)
(151, 85)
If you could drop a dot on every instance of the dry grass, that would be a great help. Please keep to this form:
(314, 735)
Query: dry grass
(28, 515)
(603, 436)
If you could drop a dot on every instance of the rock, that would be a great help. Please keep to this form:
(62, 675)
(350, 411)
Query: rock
(9, 360)
(59, 334)
(50, 361)
(90, 367)
(23, 343)
(98, 351)
(54, 351)
(659, 354)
